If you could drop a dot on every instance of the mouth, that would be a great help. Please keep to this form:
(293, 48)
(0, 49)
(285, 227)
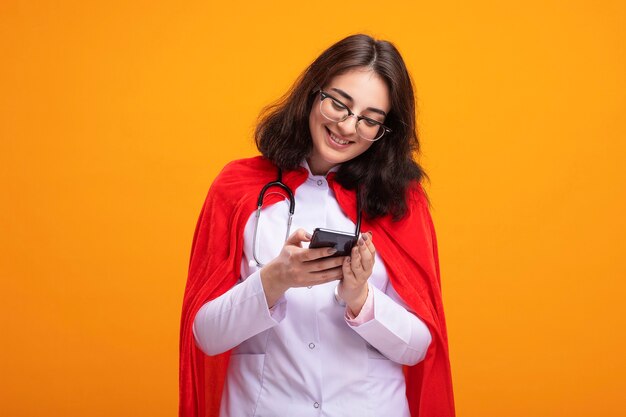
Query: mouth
(336, 139)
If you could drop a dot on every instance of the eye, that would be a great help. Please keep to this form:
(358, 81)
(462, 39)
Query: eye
(371, 123)
(337, 105)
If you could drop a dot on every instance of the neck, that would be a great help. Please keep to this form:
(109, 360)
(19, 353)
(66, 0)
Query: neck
(319, 167)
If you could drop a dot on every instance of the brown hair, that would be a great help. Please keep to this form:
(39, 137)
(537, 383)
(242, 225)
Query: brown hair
(386, 169)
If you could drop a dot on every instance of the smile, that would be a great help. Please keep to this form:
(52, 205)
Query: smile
(336, 139)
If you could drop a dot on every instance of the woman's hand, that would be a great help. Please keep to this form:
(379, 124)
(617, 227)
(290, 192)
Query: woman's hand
(356, 272)
(296, 266)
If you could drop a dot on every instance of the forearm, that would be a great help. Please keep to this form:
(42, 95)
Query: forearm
(273, 291)
(397, 333)
(224, 322)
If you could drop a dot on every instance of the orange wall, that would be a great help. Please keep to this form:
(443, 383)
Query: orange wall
(116, 115)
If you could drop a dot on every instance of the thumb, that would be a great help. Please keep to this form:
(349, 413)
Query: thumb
(347, 268)
(298, 237)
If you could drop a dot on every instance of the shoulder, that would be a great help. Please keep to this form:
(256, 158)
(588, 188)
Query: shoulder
(247, 172)
(237, 184)
(417, 208)
(416, 196)
(255, 165)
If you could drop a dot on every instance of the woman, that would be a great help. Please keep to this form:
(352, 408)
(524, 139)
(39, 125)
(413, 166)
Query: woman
(271, 327)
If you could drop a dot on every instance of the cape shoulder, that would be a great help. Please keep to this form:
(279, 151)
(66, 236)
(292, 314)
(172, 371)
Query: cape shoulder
(243, 179)
(244, 173)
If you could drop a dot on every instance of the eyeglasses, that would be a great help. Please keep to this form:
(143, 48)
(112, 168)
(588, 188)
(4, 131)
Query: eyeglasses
(366, 127)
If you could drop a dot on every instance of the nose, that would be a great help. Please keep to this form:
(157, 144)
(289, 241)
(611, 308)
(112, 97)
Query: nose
(348, 126)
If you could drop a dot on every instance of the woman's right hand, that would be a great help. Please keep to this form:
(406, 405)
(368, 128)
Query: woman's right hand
(296, 266)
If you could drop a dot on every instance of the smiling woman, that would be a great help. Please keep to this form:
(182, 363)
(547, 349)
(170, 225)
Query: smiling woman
(310, 332)
(337, 137)
(285, 135)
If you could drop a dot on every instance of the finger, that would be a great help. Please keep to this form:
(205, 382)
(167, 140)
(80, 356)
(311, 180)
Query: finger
(323, 264)
(321, 277)
(367, 238)
(298, 237)
(317, 253)
(367, 258)
(357, 268)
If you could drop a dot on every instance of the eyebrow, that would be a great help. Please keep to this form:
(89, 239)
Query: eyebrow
(347, 97)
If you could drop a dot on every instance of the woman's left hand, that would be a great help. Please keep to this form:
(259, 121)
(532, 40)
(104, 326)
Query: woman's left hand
(356, 272)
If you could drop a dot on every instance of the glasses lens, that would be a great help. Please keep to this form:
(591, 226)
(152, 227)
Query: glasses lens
(369, 130)
(333, 110)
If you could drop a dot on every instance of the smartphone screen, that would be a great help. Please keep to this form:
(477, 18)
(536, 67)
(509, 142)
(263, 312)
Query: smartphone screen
(325, 238)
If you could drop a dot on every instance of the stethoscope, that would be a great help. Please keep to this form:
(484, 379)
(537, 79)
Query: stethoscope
(292, 208)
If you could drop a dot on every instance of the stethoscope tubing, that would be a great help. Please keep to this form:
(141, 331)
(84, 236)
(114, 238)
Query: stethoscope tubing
(292, 208)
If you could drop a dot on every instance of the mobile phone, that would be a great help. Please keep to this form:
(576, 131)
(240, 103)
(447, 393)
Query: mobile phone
(325, 238)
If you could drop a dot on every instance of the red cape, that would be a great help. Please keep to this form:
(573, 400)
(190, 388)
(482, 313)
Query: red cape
(407, 247)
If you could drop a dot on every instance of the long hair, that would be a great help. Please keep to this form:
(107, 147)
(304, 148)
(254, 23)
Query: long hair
(383, 172)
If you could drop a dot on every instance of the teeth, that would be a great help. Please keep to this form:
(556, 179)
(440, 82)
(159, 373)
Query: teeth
(339, 141)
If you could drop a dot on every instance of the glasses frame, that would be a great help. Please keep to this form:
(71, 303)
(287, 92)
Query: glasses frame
(324, 95)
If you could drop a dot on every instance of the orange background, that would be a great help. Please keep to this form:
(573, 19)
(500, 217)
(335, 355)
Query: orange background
(115, 116)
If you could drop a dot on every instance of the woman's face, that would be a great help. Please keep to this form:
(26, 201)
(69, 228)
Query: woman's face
(363, 92)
